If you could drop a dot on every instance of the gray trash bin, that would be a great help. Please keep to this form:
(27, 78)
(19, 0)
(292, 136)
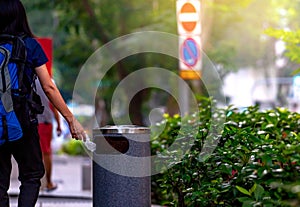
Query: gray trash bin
(121, 166)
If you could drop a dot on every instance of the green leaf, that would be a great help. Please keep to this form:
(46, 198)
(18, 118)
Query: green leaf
(268, 205)
(244, 199)
(260, 171)
(259, 192)
(243, 190)
(267, 159)
(252, 189)
(248, 203)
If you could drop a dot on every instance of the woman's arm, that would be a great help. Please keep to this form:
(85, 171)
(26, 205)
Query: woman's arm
(57, 119)
(58, 102)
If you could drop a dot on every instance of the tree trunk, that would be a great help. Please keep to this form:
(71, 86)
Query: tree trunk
(135, 109)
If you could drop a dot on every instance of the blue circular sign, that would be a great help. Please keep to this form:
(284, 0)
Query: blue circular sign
(190, 52)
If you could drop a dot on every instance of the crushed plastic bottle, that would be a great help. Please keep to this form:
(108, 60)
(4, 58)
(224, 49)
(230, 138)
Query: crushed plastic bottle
(91, 146)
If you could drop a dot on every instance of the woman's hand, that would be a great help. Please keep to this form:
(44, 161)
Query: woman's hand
(77, 130)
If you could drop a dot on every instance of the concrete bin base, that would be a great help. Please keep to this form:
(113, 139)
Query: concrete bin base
(117, 190)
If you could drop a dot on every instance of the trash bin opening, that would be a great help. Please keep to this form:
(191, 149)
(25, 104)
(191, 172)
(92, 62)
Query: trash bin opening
(118, 142)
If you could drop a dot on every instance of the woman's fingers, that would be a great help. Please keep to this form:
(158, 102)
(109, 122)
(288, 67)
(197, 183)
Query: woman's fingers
(77, 131)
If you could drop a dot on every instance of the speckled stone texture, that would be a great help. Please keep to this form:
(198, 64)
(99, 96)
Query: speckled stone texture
(122, 178)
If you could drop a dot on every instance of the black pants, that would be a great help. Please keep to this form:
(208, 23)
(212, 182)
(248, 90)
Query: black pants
(27, 153)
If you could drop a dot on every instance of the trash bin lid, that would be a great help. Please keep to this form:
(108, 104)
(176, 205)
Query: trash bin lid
(122, 129)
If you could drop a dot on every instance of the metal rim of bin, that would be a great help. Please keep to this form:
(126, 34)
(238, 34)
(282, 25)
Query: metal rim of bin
(122, 129)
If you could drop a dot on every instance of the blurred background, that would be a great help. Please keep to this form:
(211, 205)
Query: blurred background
(253, 44)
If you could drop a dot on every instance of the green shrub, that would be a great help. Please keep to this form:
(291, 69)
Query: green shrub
(255, 161)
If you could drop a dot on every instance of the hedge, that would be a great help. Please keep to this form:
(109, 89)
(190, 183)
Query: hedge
(254, 158)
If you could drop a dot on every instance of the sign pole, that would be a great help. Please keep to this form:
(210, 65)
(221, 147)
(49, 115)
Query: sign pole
(183, 98)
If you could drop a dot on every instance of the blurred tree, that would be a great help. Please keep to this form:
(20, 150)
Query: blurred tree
(292, 41)
(91, 24)
(236, 38)
(232, 36)
(288, 31)
(41, 19)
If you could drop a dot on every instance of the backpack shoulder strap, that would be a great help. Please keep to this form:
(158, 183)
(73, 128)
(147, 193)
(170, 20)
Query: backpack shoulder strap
(18, 55)
(5, 86)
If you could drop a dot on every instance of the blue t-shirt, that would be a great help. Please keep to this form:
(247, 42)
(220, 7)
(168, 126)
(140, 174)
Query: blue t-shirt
(35, 53)
(35, 57)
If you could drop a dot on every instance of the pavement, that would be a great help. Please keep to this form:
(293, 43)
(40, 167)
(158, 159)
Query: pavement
(74, 179)
(72, 174)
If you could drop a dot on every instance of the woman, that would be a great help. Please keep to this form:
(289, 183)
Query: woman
(26, 150)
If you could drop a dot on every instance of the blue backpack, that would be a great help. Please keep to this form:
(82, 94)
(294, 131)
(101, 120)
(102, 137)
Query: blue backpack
(19, 102)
